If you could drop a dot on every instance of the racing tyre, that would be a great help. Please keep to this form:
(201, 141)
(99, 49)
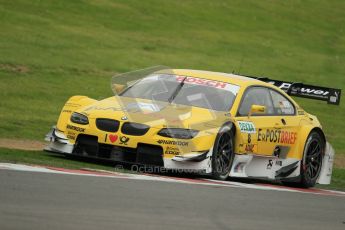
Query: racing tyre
(223, 153)
(311, 164)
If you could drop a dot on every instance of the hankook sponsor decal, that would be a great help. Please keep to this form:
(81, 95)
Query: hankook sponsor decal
(75, 128)
(168, 142)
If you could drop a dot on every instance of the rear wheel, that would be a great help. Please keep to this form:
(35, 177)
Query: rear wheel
(311, 163)
(223, 154)
(312, 159)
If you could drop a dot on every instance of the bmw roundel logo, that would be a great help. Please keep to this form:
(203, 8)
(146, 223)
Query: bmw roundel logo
(124, 118)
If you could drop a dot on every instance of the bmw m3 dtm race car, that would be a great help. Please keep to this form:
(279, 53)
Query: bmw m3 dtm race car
(208, 122)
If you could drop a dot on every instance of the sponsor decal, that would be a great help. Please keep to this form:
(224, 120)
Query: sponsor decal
(300, 112)
(70, 104)
(66, 111)
(302, 90)
(75, 128)
(270, 164)
(277, 136)
(112, 137)
(246, 127)
(307, 91)
(71, 135)
(250, 148)
(332, 96)
(279, 163)
(124, 140)
(166, 142)
(103, 108)
(208, 82)
(172, 150)
(239, 167)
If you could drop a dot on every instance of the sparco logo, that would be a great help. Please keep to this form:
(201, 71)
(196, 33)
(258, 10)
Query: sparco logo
(180, 143)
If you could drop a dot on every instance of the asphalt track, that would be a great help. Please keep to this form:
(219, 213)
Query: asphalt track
(35, 200)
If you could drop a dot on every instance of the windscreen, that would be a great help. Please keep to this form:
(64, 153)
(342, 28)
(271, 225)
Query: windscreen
(155, 87)
(183, 90)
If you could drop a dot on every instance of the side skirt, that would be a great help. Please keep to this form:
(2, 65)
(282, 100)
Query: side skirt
(272, 168)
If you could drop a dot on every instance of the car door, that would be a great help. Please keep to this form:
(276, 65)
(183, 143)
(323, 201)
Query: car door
(287, 125)
(266, 133)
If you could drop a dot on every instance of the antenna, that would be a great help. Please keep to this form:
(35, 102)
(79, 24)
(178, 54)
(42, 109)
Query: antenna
(239, 70)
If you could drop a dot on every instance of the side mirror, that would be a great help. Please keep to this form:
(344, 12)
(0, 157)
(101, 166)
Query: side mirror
(118, 88)
(257, 109)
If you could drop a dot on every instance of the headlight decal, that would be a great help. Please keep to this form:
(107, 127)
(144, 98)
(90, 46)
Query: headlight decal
(79, 118)
(178, 133)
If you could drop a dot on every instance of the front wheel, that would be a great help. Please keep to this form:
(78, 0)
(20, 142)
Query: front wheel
(223, 154)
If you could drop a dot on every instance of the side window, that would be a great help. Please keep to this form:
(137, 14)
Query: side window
(281, 104)
(256, 96)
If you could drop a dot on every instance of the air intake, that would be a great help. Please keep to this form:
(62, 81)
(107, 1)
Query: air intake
(134, 129)
(107, 125)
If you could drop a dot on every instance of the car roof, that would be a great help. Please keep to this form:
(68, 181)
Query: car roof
(239, 80)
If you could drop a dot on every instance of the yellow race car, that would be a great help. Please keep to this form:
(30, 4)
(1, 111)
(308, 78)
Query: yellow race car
(202, 122)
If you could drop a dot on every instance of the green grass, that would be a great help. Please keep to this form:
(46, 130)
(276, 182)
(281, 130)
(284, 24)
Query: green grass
(56, 160)
(51, 50)
(338, 180)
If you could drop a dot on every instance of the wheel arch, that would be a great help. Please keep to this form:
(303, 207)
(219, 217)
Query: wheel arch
(305, 131)
(319, 130)
(231, 125)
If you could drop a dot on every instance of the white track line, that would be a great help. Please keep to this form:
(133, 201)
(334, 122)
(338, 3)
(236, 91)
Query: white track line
(208, 182)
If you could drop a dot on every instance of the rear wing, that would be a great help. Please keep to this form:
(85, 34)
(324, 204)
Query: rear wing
(332, 96)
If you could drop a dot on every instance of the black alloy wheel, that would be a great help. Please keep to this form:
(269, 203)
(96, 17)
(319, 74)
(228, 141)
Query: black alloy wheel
(223, 154)
(312, 159)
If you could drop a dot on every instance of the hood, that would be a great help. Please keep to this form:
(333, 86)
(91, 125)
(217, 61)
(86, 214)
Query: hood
(155, 113)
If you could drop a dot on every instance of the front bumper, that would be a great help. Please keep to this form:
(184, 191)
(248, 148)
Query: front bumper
(58, 142)
(144, 154)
